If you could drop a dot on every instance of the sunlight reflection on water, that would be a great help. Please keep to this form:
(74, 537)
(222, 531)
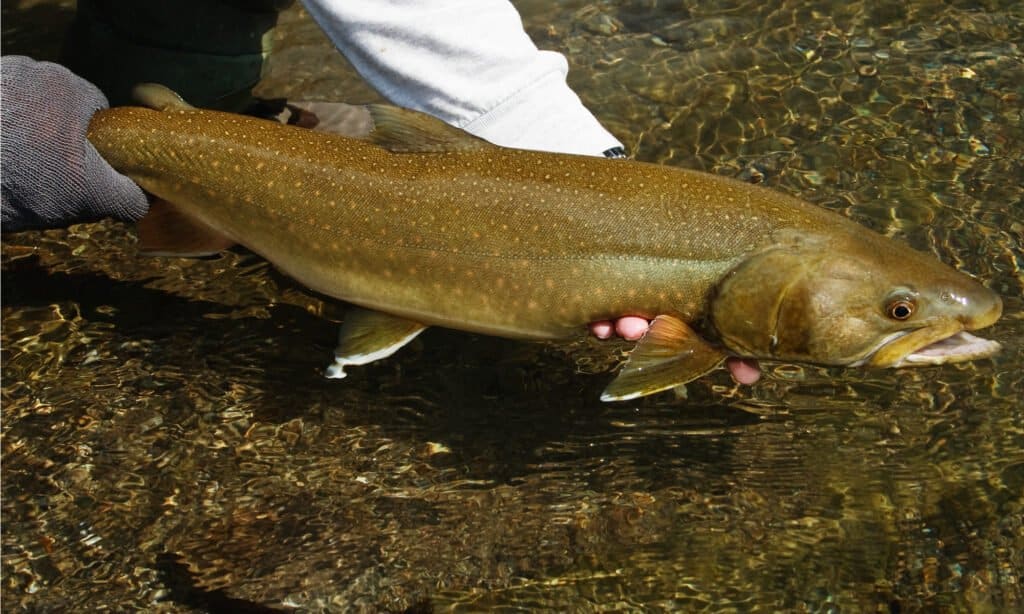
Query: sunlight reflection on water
(165, 424)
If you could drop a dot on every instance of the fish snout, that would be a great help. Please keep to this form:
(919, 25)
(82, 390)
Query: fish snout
(979, 308)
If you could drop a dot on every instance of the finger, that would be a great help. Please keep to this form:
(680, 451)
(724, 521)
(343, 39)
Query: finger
(631, 327)
(602, 329)
(743, 370)
(110, 193)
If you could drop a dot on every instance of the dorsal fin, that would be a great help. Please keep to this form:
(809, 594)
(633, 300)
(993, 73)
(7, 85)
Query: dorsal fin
(404, 131)
(159, 97)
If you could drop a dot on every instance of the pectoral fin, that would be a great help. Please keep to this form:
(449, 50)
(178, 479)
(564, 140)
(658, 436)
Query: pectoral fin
(367, 336)
(669, 354)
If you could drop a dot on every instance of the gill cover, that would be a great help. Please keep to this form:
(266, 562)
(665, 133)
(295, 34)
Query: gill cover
(762, 306)
(808, 299)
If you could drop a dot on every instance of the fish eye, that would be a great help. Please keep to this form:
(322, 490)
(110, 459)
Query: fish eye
(900, 309)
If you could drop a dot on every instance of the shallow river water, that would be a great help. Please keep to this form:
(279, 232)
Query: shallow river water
(170, 445)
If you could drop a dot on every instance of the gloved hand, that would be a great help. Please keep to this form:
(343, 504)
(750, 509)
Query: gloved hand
(51, 175)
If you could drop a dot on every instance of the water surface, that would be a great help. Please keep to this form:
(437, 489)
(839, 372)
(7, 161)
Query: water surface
(169, 444)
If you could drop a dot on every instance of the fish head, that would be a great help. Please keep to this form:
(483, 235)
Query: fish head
(867, 300)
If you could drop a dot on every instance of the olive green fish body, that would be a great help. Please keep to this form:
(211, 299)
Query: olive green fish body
(500, 241)
(431, 225)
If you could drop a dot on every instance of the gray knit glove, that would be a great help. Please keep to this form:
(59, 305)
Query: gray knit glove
(51, 175)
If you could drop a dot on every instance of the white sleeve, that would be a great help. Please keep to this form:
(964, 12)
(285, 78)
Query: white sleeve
(469, 63)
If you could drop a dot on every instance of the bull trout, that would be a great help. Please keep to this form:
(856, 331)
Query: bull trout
(421, 224)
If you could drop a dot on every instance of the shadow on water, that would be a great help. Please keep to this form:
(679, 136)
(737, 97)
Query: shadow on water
(184, 590)
(486, 398)
(214, 400)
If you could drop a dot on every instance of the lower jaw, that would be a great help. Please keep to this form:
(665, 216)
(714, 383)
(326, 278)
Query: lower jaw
(899, 347)
(961, 347)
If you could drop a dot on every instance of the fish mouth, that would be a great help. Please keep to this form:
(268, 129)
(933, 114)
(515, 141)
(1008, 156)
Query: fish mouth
(934, 345)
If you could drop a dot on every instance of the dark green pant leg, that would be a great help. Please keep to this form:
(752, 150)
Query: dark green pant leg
(211, 52)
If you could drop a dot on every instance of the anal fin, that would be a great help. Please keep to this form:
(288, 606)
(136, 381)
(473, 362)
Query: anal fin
(668, 355)
(167, 231)
(367, 336)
